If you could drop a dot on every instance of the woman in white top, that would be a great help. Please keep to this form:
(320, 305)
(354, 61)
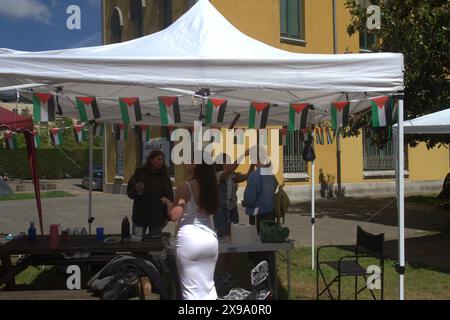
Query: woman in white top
(196, 242)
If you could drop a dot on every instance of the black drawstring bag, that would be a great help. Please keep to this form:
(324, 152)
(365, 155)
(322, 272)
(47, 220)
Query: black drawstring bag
(308, 152)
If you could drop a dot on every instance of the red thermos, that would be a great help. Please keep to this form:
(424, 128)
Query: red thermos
(54, 237)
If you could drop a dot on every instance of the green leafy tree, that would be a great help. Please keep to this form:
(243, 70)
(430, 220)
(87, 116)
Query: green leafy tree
(421, 31)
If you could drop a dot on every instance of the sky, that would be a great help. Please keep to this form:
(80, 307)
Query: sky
(40, 25)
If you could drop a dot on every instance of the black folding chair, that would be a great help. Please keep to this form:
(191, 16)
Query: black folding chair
(367, 246)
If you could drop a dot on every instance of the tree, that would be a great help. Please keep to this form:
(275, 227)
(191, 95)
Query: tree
(421, 31)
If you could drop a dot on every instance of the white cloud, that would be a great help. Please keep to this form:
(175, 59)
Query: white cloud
(26, 9)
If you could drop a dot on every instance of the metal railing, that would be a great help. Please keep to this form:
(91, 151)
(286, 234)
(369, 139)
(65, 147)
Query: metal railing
(292, 154)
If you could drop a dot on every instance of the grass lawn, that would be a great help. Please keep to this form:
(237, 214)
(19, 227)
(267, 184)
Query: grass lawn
(24, 196)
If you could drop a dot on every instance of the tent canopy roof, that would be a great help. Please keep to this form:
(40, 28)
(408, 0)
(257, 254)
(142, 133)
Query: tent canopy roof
(437, 122)
(203, 50)
(12, 121)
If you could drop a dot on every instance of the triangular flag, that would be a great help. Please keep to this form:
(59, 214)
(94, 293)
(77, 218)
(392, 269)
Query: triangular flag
(11, 141)
(215, 110)
(298, 116)
(340, 112)
(121, 132)
(99, 129)
(130, 109)
(87, 108)
(145, 133)
(78, 132)
(169, 110)
(43, 107)
(56, 136)
(382, 111)
(259, 113)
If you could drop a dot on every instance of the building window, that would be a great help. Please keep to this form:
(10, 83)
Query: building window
(379, 162)
(116, 25)
(137, 17)
(292, 21)
(294, 165)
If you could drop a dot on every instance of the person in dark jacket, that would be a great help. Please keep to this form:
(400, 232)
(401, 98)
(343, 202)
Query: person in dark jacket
(146, 187)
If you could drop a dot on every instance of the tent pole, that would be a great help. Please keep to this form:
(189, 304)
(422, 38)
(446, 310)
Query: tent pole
(313, 208)
(400, 199)
(91, 152)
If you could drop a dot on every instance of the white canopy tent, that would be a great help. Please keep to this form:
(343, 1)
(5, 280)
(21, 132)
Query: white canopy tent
(433, 123)
(203, 50)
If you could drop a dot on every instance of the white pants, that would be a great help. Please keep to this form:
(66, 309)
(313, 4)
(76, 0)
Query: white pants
(197, 249)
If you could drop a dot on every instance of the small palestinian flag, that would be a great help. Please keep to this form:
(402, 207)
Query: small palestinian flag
(283, 137)
(328, 135)
(215, 110)
(239, 135)
(259, 112)
(382, 111)
(43, 107)
(121, 132)
(319, 136)
(298, 116)
(99, 129)
(37, 140)
(145, 133)
(78, 132)
(340, 112)
(130, 109)
(169, 110)
(56, 136)
(87, 108)
(11, 141)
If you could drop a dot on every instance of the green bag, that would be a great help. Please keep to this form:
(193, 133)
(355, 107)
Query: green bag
(270, 231)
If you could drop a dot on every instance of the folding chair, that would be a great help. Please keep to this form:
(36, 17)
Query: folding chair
(367, 246)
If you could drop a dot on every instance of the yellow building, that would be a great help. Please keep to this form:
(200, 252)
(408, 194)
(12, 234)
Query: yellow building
(303, 26)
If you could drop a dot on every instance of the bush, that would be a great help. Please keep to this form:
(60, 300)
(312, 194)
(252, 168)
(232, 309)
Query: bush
(52, 163)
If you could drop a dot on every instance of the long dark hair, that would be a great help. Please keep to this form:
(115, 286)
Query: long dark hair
(153, 155)
(205, 175)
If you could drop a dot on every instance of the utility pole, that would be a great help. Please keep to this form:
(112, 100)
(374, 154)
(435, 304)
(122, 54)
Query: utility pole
(338, 140)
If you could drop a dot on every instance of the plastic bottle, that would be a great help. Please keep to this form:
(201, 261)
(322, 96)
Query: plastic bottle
(125, 229)
(32, 232)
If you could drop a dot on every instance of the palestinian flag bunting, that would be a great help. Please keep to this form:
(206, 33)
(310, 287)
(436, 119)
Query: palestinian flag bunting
(43, 107)
(383, 113)
(121, 132)
(340, 112)
(319, 136)
(145, 133)
(37, 140)
(259, 112)
(215, 110)
(130, 109)
(298, 116)
(169, 110)
(99, 129)
(78, 132)
(11, 141)
(87, 108)
(56, 136)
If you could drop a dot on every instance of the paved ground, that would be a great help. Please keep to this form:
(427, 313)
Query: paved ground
(336, 220)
